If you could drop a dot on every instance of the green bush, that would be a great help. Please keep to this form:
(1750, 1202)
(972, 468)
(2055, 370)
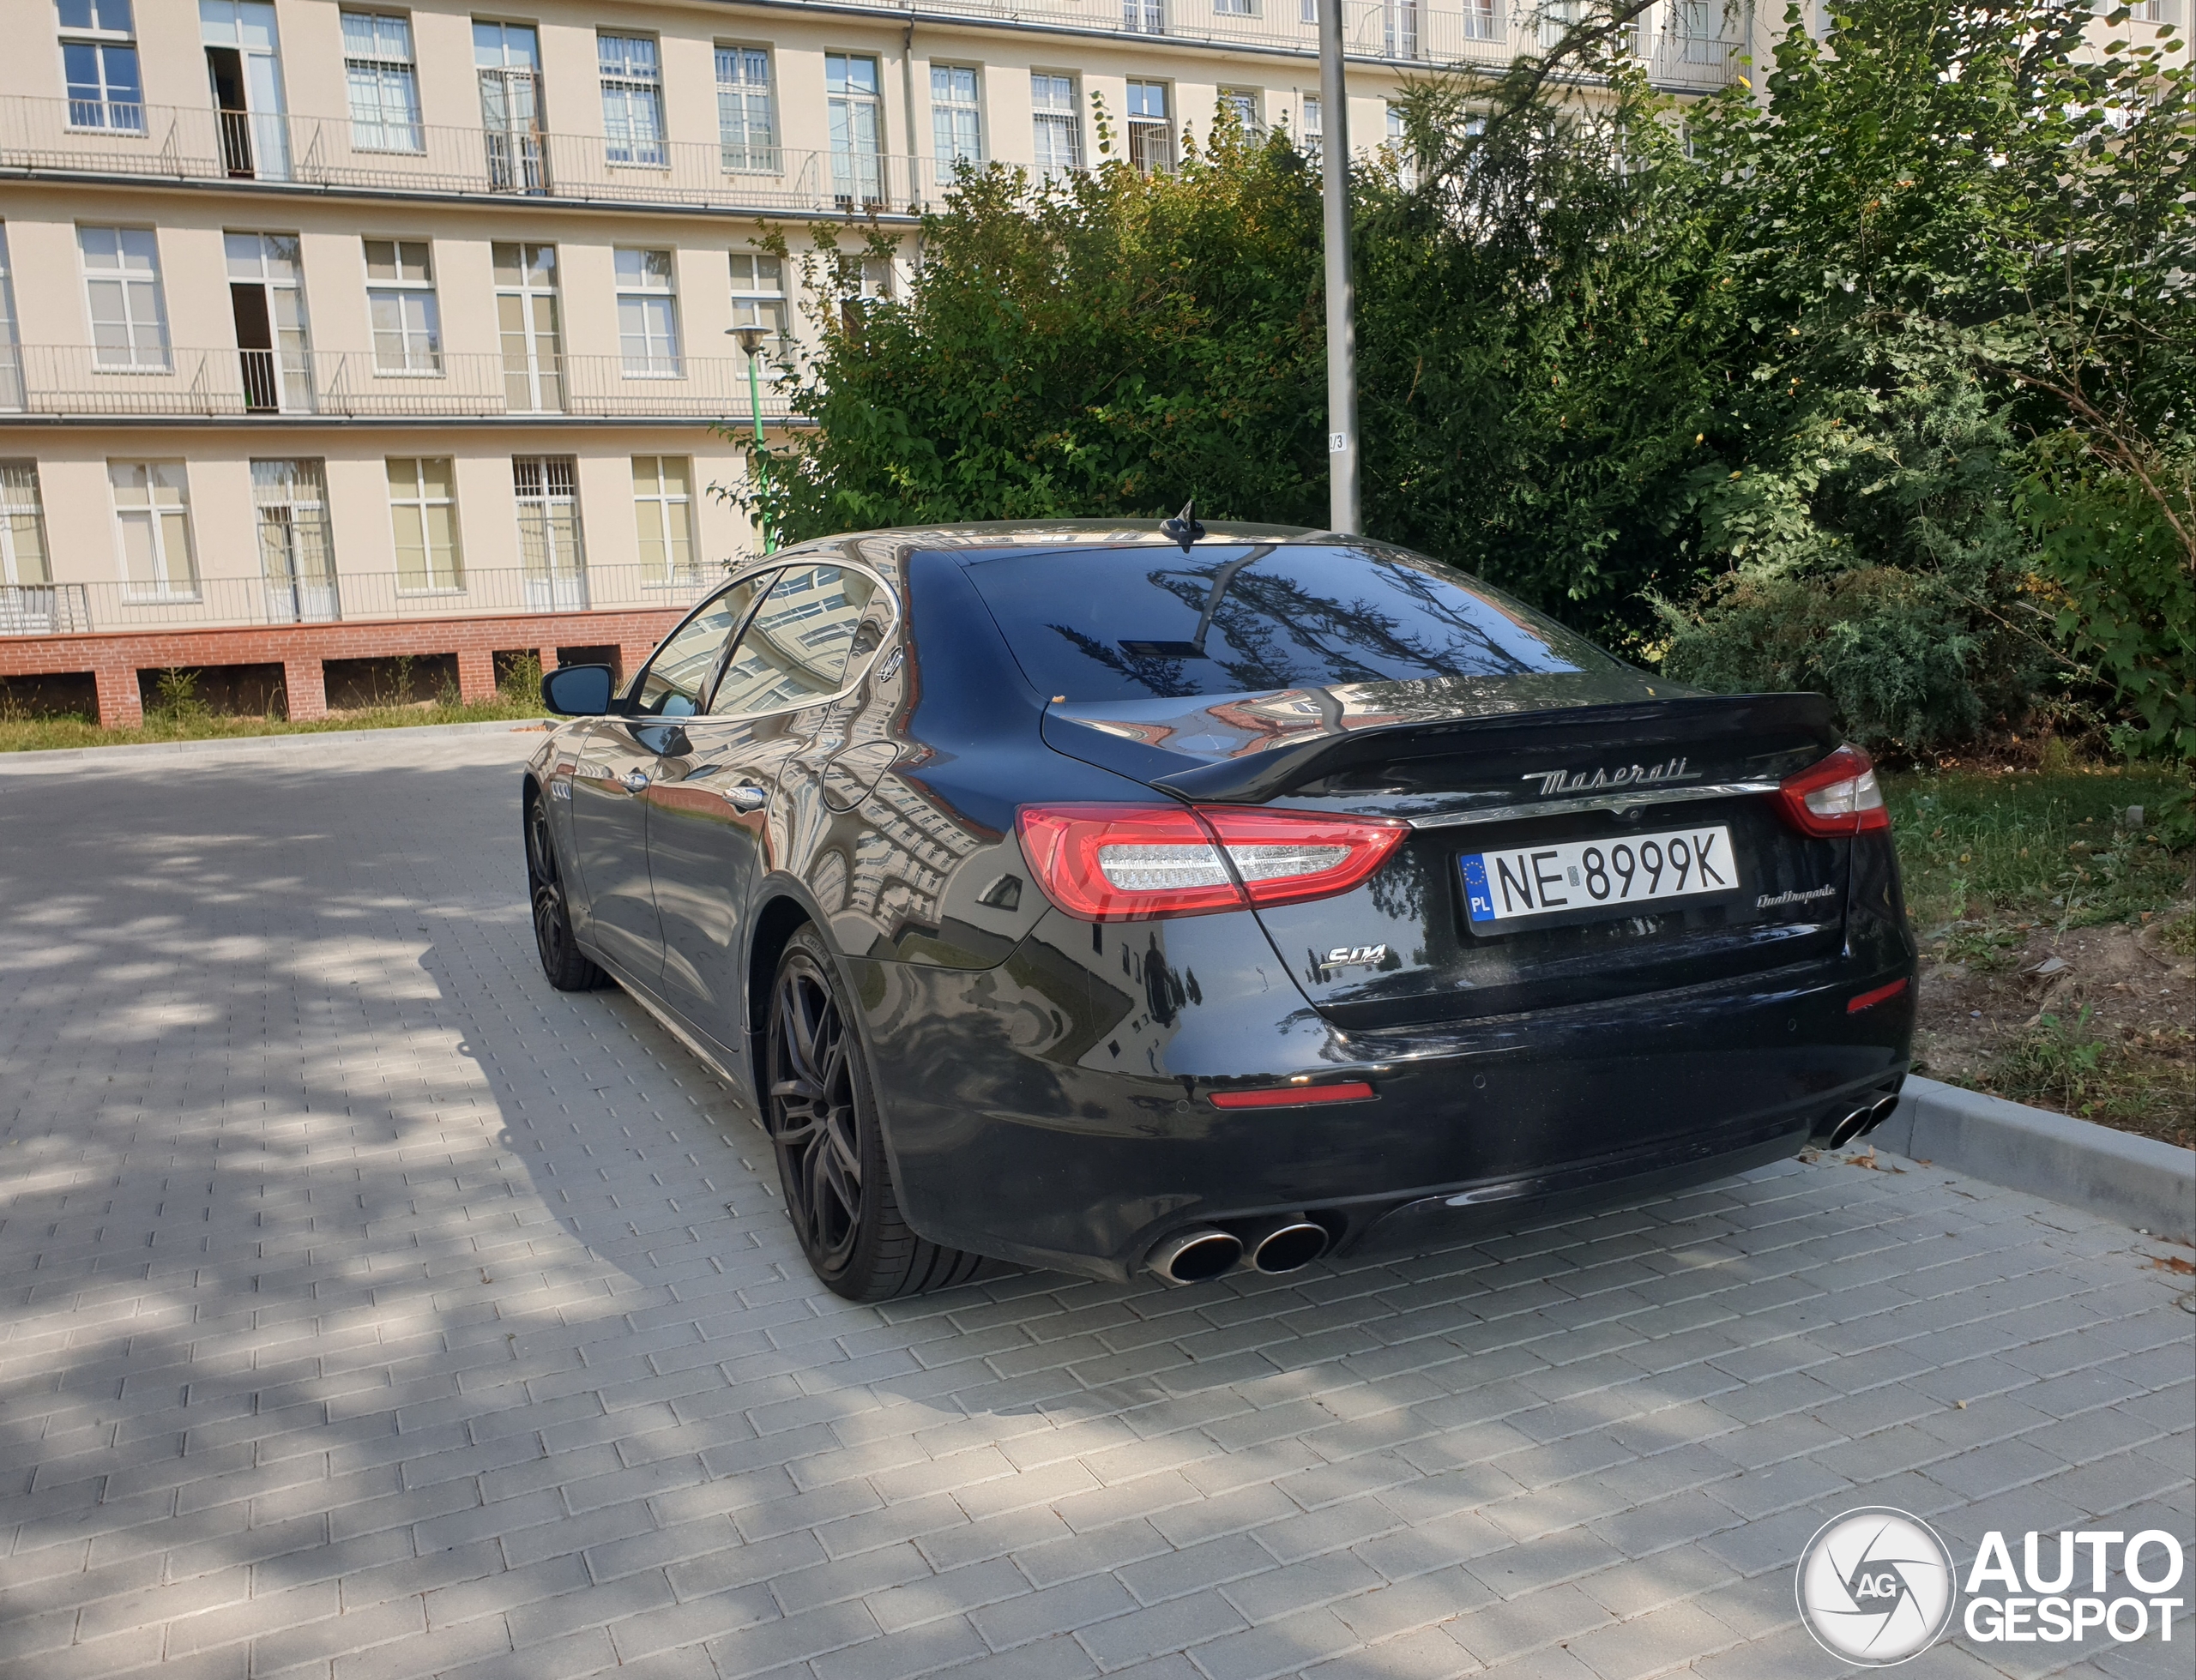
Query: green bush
(1900, 656)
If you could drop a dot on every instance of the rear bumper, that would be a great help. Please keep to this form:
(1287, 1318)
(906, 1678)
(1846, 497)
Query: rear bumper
(1031, 1119)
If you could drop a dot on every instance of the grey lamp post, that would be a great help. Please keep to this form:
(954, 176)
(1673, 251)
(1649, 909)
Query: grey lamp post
(1342, 512)
(751, 340)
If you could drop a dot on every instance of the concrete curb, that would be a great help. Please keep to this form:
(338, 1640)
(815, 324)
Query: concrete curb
(2137, 1181)
(141, 750)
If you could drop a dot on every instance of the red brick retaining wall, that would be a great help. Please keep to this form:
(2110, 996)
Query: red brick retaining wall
(114, 659)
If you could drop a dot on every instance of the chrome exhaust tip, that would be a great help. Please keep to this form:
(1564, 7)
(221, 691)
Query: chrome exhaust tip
(1850, 1127)
(1195, 1256)
(1884, 1109)
(1291, 1244)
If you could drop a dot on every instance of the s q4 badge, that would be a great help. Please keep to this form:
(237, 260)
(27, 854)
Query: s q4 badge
(1355, 956)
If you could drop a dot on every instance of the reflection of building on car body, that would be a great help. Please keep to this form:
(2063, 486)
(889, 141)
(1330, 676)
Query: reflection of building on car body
(1083, 897)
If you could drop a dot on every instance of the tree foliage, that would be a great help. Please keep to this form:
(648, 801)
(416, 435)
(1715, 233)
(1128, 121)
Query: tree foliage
(1106, 345)
(1877, 377)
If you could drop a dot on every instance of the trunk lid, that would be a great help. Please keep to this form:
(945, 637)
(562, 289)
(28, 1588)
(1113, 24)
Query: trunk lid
(1587, 790)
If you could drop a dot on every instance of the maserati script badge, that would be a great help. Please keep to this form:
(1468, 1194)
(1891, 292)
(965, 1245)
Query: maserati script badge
(1625, 775)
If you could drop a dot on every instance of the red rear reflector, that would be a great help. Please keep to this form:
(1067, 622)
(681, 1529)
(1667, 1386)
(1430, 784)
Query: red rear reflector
(1836, 797)
(1869, 1000)
(1295, 1096)
(1139, 863)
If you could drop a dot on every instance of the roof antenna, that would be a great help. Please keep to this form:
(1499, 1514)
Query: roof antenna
(1183, 527)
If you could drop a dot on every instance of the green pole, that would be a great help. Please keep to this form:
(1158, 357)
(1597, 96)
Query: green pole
(755, 413)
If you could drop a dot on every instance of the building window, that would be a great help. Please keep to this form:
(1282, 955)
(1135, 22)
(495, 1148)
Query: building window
(747, 117)
(11, 354)
(153, 508)
(1307, 11)
(648, 313)
(1399, 28)
(633, 99)
(1235, 8)
(855, 114)
(1151, 132)
(664, 509)
(384, 86)
(297, 549)
(526, 317)
(122, 281)
(99, 61)
(1242, 104)
(23, 527)
(546, 488)
(400, 300)
(244, 63)
(956, 120)
(423, 509)
(1057, 122)
(1314, 128)
(758, 293)
(267, 302)
(1482, 21)
(1144, 17)
(507, 59)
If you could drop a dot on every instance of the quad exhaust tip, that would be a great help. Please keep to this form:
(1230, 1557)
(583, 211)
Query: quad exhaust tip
(1862, 1121)
(1884, 1109)
(1195, 1256)
(1289, 1246)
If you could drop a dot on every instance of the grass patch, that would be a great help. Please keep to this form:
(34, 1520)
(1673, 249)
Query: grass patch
(1980, 848)
(189, 720)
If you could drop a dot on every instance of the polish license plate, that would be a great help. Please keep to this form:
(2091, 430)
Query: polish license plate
(1598, 875)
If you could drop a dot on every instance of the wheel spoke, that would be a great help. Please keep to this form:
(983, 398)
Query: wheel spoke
(814, 1124)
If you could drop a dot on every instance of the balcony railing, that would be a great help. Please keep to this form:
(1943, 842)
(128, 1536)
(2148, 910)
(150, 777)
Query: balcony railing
(73, 381)
(231, 603)
(1685, 45)
(44, 609)
(177, 142)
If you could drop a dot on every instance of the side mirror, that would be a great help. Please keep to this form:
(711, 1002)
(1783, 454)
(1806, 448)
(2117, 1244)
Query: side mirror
(577, 690)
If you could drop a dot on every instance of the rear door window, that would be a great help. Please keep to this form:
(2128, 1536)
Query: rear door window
(1145, 622)
(795, 649)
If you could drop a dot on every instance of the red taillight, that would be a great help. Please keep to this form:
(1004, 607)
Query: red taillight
(1137, 863)
(1837, 797)
(1296, 1096)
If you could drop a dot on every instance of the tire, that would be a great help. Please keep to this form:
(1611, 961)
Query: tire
(569, 968)
(820, 1110)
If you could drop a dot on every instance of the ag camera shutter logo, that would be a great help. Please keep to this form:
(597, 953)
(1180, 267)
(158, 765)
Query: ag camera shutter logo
(1876, 1586)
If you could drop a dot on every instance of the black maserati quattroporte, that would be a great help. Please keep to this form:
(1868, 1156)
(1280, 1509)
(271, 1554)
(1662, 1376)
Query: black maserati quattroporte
(1126, 897)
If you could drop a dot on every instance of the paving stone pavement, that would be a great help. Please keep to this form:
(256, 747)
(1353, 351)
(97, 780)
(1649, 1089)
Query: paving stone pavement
(371, 1309)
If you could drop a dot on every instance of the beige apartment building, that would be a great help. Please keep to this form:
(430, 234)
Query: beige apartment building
(335, 332)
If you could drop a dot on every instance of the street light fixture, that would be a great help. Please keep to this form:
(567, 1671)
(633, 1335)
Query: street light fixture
(751, 340)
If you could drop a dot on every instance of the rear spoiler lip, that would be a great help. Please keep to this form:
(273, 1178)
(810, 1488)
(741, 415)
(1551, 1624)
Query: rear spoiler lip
(1700, 720)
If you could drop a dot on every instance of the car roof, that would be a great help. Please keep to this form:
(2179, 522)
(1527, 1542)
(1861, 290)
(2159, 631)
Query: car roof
(977, 539)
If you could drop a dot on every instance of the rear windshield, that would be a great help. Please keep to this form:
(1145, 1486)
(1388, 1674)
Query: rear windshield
(1132, 623)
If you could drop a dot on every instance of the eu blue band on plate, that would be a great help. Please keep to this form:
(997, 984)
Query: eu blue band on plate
(1476, 895)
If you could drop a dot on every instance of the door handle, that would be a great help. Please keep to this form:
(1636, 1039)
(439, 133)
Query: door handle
(745, 798)
(636, 781)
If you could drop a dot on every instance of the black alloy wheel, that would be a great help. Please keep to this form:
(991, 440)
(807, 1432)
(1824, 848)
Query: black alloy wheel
(822, 1118)
(569, 968)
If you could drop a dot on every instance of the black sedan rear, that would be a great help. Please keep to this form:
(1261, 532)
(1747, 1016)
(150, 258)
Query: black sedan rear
(1078, 896)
